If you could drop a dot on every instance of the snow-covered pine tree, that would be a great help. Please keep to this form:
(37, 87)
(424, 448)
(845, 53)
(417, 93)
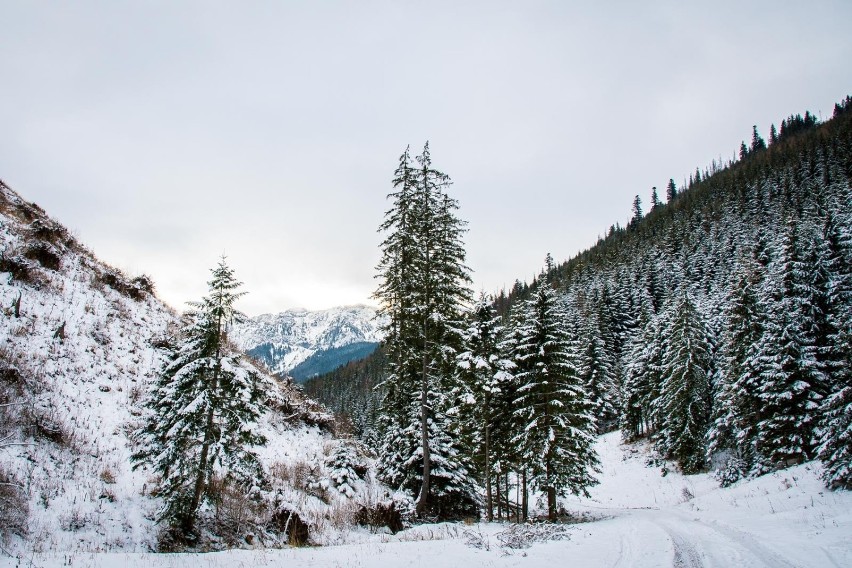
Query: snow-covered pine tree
(835, 450)
(684, 403)
(643, 376)
(597, 371)
(397, 294)
(204, 409)
(345, 468)
(557, 437)
(736, 404)
(423, 291)
(484, 375)
(787, 362)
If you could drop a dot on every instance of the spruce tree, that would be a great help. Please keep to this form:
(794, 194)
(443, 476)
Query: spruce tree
(643, 376)
(684, 401)
(655, 199)
(422, 292)
(204, 409)
(835, 450)
(597, 372)
(485, 375)
(788, 366)
(636, 211)
(757, 142)
(737, 404)
(557, 434)
(671, 191)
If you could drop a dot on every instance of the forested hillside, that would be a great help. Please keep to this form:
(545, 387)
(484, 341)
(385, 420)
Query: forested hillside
(717, 323)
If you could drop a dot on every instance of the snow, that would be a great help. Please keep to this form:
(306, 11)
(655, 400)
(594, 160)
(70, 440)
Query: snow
(645, 519)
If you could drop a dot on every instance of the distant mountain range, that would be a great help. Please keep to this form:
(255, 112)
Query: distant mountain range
(303, 343)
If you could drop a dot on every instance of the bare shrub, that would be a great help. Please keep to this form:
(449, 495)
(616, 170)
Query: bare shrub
(45, 423)
(524, 535)
(236, 512)
(14, 510)
(46, 230)
(74, 520)
(300, 474)
(107, 476)
(16, 266)
(143, 284)
(43, 253)
(135, 289)
(379, 515)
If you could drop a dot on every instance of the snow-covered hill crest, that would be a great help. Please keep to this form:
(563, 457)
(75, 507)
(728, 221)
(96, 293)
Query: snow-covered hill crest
(284, 340)
(80, 345)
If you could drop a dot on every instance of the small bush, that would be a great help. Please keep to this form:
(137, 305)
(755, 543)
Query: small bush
(731, 471)
(107, 476)
(74, 520)
(299, 474)
(45, 424)
(143, 284)
(46, 230)
(44, 254)
(173, 538)
(13, 507)
(521, 536)
(380, 515)
(236, 512)
(16, 266)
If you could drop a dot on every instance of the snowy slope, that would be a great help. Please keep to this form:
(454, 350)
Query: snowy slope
(645, 519)
(284, 340)
(78, 349)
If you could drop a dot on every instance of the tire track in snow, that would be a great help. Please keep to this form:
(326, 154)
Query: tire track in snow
(747, 541)
(625, 553)
(685, 553)
(723, 546)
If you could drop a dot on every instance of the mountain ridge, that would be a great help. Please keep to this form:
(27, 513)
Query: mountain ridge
(285, 340)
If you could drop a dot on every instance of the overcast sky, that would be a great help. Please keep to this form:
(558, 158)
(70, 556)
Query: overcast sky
(167, 133)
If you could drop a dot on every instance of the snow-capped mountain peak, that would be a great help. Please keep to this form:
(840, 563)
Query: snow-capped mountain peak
(285, 340)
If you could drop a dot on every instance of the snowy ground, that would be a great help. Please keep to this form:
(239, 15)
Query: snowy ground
(647, 519)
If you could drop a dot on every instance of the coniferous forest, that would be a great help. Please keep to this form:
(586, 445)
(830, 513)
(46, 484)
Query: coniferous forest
(717, 325)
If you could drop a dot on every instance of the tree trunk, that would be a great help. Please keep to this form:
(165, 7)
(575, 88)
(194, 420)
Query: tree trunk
(526, 503)
(489, 505)
(201, 479)
(499, 503)
(423, 499)
(517, 499)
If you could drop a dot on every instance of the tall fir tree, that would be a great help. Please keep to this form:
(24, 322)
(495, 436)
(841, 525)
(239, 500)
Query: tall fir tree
(557, 435)
(597, 372)
(684, 402)
(204, 410)
(671, 191)
(835, 449)
(787, 361)
(737, 404)
(643, 376)
(423, 290)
